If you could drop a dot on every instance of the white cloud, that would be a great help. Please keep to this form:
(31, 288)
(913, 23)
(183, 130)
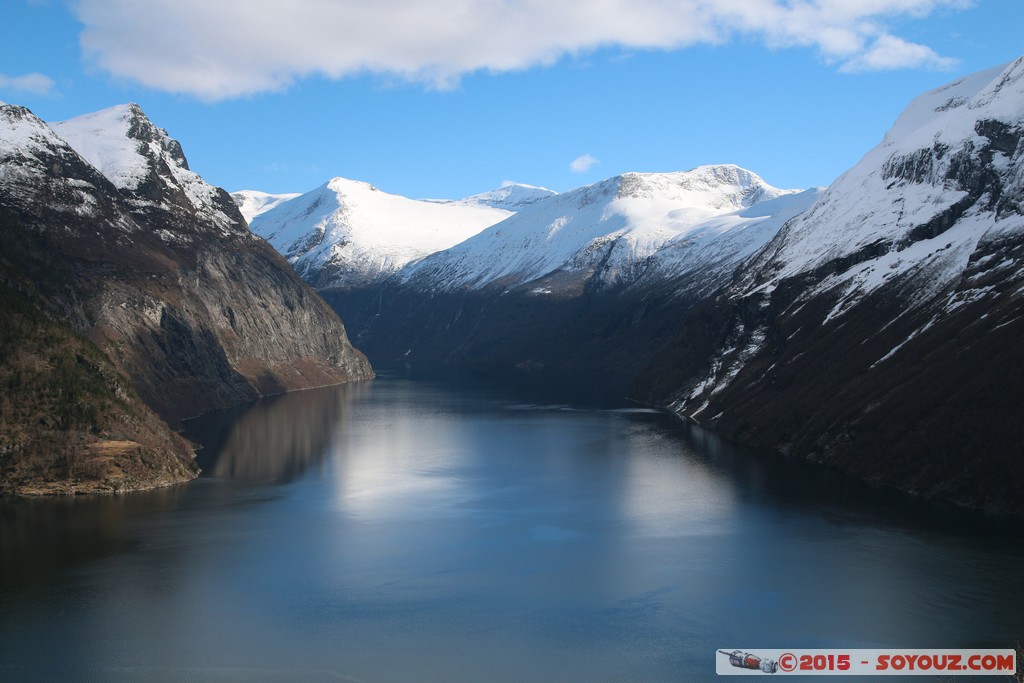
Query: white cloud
(34, 83)
(582, 164)
(889, 52)
(230, 48)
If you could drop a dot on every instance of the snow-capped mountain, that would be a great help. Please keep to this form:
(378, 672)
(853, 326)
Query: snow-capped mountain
(149, 168)
(882, 330)
(948, 162)
(27, 145)
(510, 197)
(348, 233)
(613, 228)
(945, 184)
(253, 203)
(141, 283)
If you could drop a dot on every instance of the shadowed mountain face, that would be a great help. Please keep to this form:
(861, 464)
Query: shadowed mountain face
(114, 241)
(882, 332)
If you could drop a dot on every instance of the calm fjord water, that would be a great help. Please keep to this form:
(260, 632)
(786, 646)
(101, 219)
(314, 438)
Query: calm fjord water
(407, 530)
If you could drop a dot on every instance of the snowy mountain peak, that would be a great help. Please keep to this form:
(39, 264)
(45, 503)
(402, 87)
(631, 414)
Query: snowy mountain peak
(37, 168)
(23, 132)
(716, 186)
(945, 179)
(510, 196)
(950, 112)
(607, 230)
(122, 143)
(342, 185)
(142, 159)
(347, 232)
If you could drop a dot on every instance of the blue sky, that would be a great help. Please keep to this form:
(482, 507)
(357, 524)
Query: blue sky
(452, 97)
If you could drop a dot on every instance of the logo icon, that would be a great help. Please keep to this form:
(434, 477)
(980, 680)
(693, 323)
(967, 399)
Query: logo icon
(745, 660)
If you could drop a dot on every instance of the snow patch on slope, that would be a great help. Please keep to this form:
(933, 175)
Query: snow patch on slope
(510, 197)
(254, 203)
(715, 246)
(103, 139)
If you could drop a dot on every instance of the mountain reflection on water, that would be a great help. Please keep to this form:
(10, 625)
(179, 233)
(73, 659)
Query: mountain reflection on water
(273, 440)
(423, 530)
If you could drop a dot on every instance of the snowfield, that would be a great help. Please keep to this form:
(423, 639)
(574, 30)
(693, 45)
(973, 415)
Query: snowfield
(908, 180)
(347, 233)
(615, 227)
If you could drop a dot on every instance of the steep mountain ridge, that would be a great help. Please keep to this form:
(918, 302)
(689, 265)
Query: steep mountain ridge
(156, 268)
(880, 331)
(149, 169)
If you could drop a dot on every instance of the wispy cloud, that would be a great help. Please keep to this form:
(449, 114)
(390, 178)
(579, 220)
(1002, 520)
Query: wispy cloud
(34, 83)
(890, 52)
(583, 163)
(231, 48)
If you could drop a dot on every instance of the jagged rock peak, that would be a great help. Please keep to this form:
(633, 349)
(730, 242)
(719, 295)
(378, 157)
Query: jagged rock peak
(123, 143)
(21, 130)
(950, 112)
(144, 162)
(736, 184)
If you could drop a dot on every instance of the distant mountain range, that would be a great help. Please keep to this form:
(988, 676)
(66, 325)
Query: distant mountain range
(875, 326)
(348, 234)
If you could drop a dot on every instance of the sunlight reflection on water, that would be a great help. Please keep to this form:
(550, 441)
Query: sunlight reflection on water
(401, 530)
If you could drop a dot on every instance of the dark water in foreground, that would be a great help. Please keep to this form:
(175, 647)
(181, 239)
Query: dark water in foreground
(419, 531)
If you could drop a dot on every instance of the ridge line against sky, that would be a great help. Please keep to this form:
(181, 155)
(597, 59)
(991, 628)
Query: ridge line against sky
(452, 97)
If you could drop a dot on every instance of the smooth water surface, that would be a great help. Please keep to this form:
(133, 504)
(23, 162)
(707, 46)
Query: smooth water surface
(407, 530)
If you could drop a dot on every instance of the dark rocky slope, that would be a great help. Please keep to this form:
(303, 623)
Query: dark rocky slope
(69, 420)
(156, 271)
(882, 332)
(596, 337)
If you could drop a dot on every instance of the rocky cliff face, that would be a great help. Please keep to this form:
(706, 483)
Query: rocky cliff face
(156, 268)
(881, 331)
(69, 420)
